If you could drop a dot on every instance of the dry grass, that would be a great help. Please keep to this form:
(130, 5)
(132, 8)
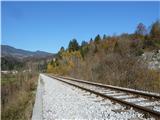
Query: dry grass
(18, 99)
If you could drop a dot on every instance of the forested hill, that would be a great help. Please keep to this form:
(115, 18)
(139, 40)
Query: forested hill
(21, 54)
(116, 60)
(13, 58)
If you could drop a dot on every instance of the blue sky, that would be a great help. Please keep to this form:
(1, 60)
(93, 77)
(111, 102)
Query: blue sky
(49, 25)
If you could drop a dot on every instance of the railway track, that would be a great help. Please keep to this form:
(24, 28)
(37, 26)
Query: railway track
(148, 103)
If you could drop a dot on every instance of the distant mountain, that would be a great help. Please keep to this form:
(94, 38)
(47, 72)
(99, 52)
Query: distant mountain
(7, 51)
(13, 58)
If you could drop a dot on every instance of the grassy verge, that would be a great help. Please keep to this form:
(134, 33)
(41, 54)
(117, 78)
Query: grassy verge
(18, 96)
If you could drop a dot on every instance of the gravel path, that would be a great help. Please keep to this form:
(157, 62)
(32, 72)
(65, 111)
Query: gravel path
(57, 100)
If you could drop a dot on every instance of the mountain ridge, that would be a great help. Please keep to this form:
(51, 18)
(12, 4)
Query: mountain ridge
(13, 58)
(7, 50)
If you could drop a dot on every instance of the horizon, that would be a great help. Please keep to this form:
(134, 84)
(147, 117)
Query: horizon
(26, 49)
(46, 26)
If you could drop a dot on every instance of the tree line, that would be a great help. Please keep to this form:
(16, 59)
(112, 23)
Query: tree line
(150, 37)
(112, 59)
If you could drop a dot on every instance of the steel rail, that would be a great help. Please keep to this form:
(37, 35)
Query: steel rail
(116, 88)
(138, 107)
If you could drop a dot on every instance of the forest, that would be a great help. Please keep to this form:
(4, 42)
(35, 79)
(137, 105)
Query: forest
(115, 60)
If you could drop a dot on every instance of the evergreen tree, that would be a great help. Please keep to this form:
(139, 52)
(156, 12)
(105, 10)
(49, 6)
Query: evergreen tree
(104, 37)
(97, 38)
(84, 43)
(62, 49)
(73, 45)
(91, 40)
(60, 52)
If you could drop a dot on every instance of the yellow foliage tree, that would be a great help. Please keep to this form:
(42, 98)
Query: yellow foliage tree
(50, 68)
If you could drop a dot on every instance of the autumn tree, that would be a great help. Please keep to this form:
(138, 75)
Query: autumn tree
(52, 62)
(115, 60)
(155, 31)
(95, 49)
(50, 68)
(148, 42)
(141, 29)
